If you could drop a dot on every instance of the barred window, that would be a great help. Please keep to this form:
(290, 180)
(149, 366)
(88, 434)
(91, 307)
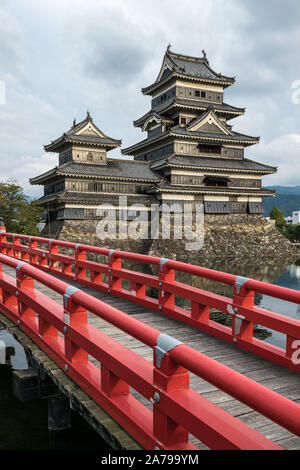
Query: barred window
(95, 187)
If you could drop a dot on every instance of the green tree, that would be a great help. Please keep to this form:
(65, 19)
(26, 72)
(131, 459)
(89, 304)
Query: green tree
(12, 198)
(20, 216)
(28, 216)
(278, 216)
(289, 231)
(297, 232)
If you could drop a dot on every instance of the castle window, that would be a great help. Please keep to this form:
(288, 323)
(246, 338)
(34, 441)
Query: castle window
(183, 120)
(216, 181)
(95, 187)
(197, 93)
(203, 94)
(90, 157)
(211, 149)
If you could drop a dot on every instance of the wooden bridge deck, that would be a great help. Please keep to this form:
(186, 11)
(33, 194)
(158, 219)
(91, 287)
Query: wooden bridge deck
(277, 378)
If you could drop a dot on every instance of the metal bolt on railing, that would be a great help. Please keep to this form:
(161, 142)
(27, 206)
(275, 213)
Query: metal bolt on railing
(156, 397)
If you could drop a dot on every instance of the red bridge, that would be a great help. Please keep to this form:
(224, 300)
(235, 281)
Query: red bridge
(181, 398)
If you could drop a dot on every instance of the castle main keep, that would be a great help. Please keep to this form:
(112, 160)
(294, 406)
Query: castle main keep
(191, 154)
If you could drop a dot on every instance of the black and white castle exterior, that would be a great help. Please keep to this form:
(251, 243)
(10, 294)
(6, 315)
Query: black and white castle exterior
(190, 155)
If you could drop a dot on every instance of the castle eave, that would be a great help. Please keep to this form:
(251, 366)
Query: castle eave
(212, 137)
(223, 108)
(244, 165)
(167, 188)
(43, 177)
(207, 80)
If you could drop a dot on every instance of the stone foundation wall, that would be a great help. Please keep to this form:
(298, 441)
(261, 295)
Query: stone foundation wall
(225, 236)
(234, 235)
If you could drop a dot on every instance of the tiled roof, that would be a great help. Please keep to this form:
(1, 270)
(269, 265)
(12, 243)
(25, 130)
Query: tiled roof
(190, 67)
(211, 162)
(195, 67)
(196, 105)
(182, 132)
(204, 104)
(72, 136)
(114, 168)
(206, 189)
(216, 136)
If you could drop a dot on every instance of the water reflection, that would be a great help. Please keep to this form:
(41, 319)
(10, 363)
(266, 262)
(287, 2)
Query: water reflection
(289, 278)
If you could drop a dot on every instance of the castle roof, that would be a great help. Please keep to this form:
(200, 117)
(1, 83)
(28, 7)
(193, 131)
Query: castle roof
(167, 187)
(115, 168)
(180, 65)
(213, 163)
(215, 136)
(205, 137)
(222, 108)
(85, 132)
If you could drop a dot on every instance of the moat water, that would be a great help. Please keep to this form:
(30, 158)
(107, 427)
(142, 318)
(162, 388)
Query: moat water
(24, 425)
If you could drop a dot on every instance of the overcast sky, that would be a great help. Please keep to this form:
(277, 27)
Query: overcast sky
(59, 58)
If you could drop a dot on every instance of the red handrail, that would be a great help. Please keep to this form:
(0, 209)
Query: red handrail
(177, 409)
(240, 307)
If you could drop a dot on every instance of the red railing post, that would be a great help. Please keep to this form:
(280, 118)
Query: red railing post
(24, 282)
(53, 263)
(73, 315)
(33, 259)
(138, 290)
(112, 385)
(166, 299)
(16, 246)
(80, 255)
(10, 248)
(200, 312)
(115, 282)
(242, 297)
(167, 376)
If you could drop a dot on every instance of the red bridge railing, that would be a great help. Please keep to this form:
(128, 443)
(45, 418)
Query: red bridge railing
(44, 254)
(65, 334)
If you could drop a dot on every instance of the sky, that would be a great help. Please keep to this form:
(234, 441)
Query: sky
(59, 58)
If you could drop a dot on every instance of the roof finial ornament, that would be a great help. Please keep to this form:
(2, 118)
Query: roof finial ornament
(169, 47)
(88, 114)
(74, 122)
(204, 54)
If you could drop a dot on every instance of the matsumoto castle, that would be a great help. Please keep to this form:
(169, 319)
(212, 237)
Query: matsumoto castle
(190, 153)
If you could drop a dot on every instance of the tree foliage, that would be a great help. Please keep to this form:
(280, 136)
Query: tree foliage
(292, 232)
(19, 214)
(278, 216)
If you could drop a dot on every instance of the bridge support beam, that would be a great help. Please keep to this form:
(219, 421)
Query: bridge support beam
(59, 413)
(31, 384)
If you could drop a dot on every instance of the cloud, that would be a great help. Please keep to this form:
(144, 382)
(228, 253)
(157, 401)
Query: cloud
(282, 152)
